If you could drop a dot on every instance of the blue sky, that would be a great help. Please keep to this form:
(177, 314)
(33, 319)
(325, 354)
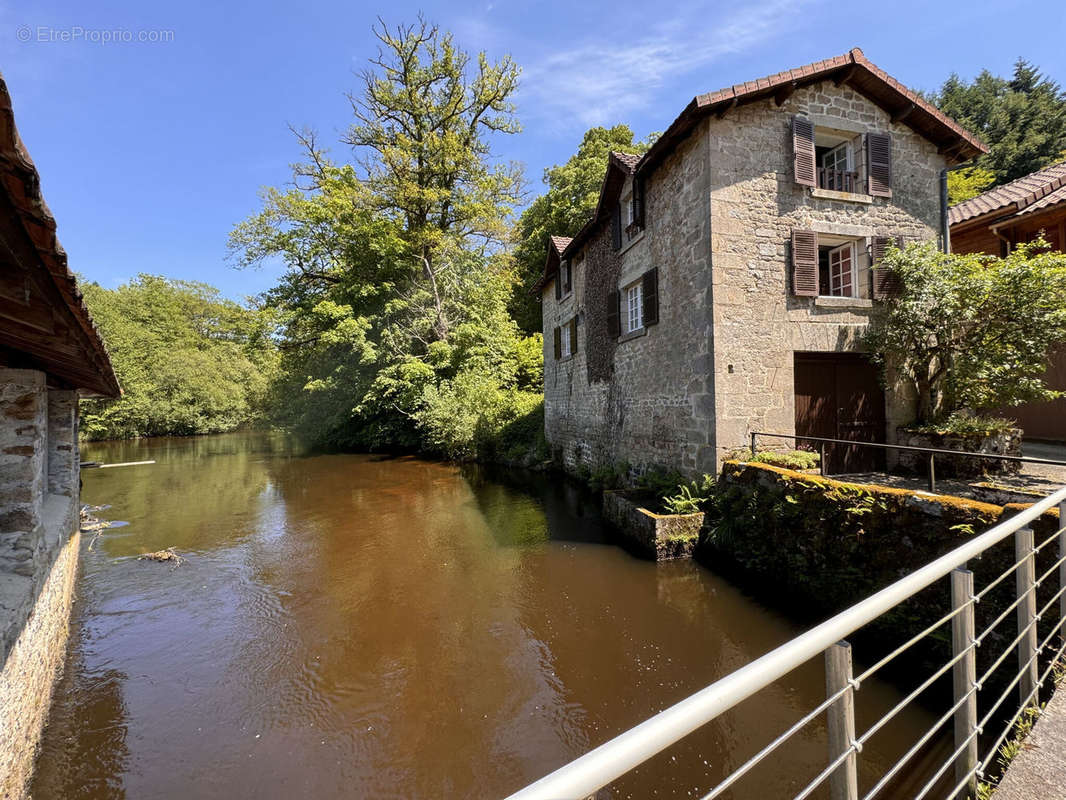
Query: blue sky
(149, 152)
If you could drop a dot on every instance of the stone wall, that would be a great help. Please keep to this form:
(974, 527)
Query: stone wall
(720, 212)
(755, 204)
(39, 477)
(815, 546)
(648, 398)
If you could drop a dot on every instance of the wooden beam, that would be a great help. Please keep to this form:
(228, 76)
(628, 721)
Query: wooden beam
(726, 108)
(845, 76)
(903, 113)
(951, 148)
(785, 92)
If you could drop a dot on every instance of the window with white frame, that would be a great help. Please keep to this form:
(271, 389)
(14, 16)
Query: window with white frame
(565, 350)
(835, 151)
(634, 307)
(842, 268)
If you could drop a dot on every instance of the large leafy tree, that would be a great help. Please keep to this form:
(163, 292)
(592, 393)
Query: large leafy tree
(395, 290)
(189, 361)
(973, 332)
(573, 189)
(1021, 118)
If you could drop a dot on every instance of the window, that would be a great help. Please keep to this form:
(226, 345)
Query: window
(565, 275)
(836, 161)
(842, 281)
(564, 348)
(634, 307)
(840, 160)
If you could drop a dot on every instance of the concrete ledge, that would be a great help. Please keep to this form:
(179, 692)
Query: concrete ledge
(1039, 771)
(847, 197)
(659, 536)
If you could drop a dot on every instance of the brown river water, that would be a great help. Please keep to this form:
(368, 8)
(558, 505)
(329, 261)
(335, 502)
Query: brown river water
(362, 626)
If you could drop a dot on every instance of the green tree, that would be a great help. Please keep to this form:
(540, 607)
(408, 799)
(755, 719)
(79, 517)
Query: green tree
(396, 325)
(188, 360)
(573, 189)
(973, 332)
(1022, 119)
(964, 184)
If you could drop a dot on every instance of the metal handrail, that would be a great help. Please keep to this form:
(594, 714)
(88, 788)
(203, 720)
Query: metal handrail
(931, 451)
(606, 763)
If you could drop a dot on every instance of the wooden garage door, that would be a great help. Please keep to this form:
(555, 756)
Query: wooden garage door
(1045, 421)
(838, 396)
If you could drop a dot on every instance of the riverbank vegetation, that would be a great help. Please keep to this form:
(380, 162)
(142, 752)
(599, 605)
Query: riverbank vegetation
(188, 360)
(394, 302)
(404, 319)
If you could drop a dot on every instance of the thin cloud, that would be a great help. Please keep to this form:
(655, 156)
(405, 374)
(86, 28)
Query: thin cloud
(600, 81)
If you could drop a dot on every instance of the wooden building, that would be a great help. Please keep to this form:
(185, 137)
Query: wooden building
(993, 222)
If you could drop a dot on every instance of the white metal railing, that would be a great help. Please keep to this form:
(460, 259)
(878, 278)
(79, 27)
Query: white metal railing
(606, 763)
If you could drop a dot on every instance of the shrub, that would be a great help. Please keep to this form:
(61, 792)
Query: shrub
(788, 459)
(963, 423)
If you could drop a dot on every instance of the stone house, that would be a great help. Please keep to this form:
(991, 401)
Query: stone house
(993, 222)
(49, 353)
(726, 278)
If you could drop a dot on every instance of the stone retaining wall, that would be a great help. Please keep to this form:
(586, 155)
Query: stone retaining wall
(658, 536)
(39, 488)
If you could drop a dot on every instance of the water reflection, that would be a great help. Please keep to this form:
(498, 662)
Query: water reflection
(362, 626)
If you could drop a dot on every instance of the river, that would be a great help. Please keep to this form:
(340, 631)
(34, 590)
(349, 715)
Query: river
(364, 626)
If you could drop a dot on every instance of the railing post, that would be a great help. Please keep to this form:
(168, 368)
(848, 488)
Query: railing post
(964, 676)
(1026, 584)
(932, 472)
(823, 468)
(753, 434)
(844, 782)
(1062, 569)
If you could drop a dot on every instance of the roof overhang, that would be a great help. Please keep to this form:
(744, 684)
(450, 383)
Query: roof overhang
(852, 69)
(44, 323)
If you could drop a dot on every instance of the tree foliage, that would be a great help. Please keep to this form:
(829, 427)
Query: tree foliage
(573, 190)
(973, 332)
(188, 360)
(396, 331)
(1022, 119)
(967, 183)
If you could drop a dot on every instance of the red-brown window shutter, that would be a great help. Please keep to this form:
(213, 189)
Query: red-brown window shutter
(885, 281)
(558, 343)
(616, 226)
(650, 293)
(803, 151)
(804, 263)
(614, 320)
(559, 283)
(638, 202)
(879, 164)
(573, 336)
(569, 275)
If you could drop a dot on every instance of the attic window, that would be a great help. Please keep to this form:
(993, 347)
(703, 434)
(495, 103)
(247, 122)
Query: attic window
(835, 153)
(841, 161)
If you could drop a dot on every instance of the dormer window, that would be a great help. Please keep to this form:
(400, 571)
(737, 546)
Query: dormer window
(564, 280)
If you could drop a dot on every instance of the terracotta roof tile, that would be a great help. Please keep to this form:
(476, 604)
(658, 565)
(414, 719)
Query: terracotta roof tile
(1047, 201)
(560, 242)
(868, 79)
(1019, 195)
(629, 160)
